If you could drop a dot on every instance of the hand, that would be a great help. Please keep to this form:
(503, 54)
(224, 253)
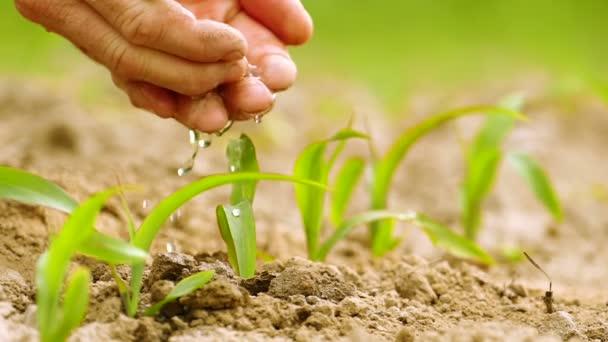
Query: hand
(163, 56)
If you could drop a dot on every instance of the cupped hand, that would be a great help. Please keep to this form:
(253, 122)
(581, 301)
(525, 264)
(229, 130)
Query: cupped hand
(185, 59)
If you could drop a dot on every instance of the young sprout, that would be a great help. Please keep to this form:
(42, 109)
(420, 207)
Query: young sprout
(382, 239)
(483, 158)
(152, 224)
(548, 297)
(56, 320)
(312, 164)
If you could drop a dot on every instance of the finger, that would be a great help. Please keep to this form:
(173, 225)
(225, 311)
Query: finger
(287, 19)
(87, 30)
(267, 52)
(167, 26)
(206, 114)
(247, 97)
(149, 97)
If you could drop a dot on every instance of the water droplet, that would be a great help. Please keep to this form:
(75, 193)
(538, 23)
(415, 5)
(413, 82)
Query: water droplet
(170, 247)
(257, 119)
(407, 216)
(225, 129)
(145, 204)
(204, 143)
(175, 216)
(232, 168)
(236, 212)
(195, 141)
(194, 136)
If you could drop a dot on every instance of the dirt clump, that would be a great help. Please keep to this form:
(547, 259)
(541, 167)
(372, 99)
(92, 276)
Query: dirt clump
(302, 277)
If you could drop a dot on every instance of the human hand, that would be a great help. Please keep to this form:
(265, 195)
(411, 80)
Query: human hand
(165, 59)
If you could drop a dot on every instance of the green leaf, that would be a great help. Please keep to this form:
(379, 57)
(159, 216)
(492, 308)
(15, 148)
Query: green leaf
(184, 287)
(346, 180)
(237, 227)
(537, 179)
(439, 235)
(111, 250)
(480, 177)
(311, 165)
(154, 221)
(75, 303)
(455, 244)
(28, 188)
(53, 264)
(496, 127)
(242, 158)
(384, 169)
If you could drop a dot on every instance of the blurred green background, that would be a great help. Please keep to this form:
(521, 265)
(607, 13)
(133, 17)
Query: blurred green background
(394, 46)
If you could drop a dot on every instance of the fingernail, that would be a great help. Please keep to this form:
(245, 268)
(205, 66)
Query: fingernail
(233, 55)
(278, 72)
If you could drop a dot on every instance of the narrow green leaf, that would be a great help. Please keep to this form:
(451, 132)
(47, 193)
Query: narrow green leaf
(242, 158)
(184, 287)
(537, 179)
(346, 180)
(154, 221)
(237, 227)
(53, 265)
(439, 235)
(128, 214)
(480, 177)
(28, 188)
(311, 165)
(111, 250)
(384, 169)
(123, 288)
(496, 127)
(452, 242)
(75, 303)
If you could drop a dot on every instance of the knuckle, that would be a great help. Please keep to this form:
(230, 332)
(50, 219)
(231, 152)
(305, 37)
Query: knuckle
(117, 61)
(140, 26)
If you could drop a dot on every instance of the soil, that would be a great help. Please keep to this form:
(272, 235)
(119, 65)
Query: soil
(417, 293)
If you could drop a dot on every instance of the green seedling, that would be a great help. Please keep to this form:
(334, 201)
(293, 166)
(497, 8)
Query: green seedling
(149, 228)
(236, 221)
(382, 239)
(483, 158)
(312, 165)
(56, 320)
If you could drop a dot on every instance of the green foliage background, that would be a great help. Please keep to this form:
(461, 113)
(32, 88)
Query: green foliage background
(394, 45)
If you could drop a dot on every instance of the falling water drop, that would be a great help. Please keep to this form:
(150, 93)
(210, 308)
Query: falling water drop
(204, 143)
(232, 168)
(175, 216)
(236, 212)
(195, 141)
(145, 204)
(257, 119)
(170, 247)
